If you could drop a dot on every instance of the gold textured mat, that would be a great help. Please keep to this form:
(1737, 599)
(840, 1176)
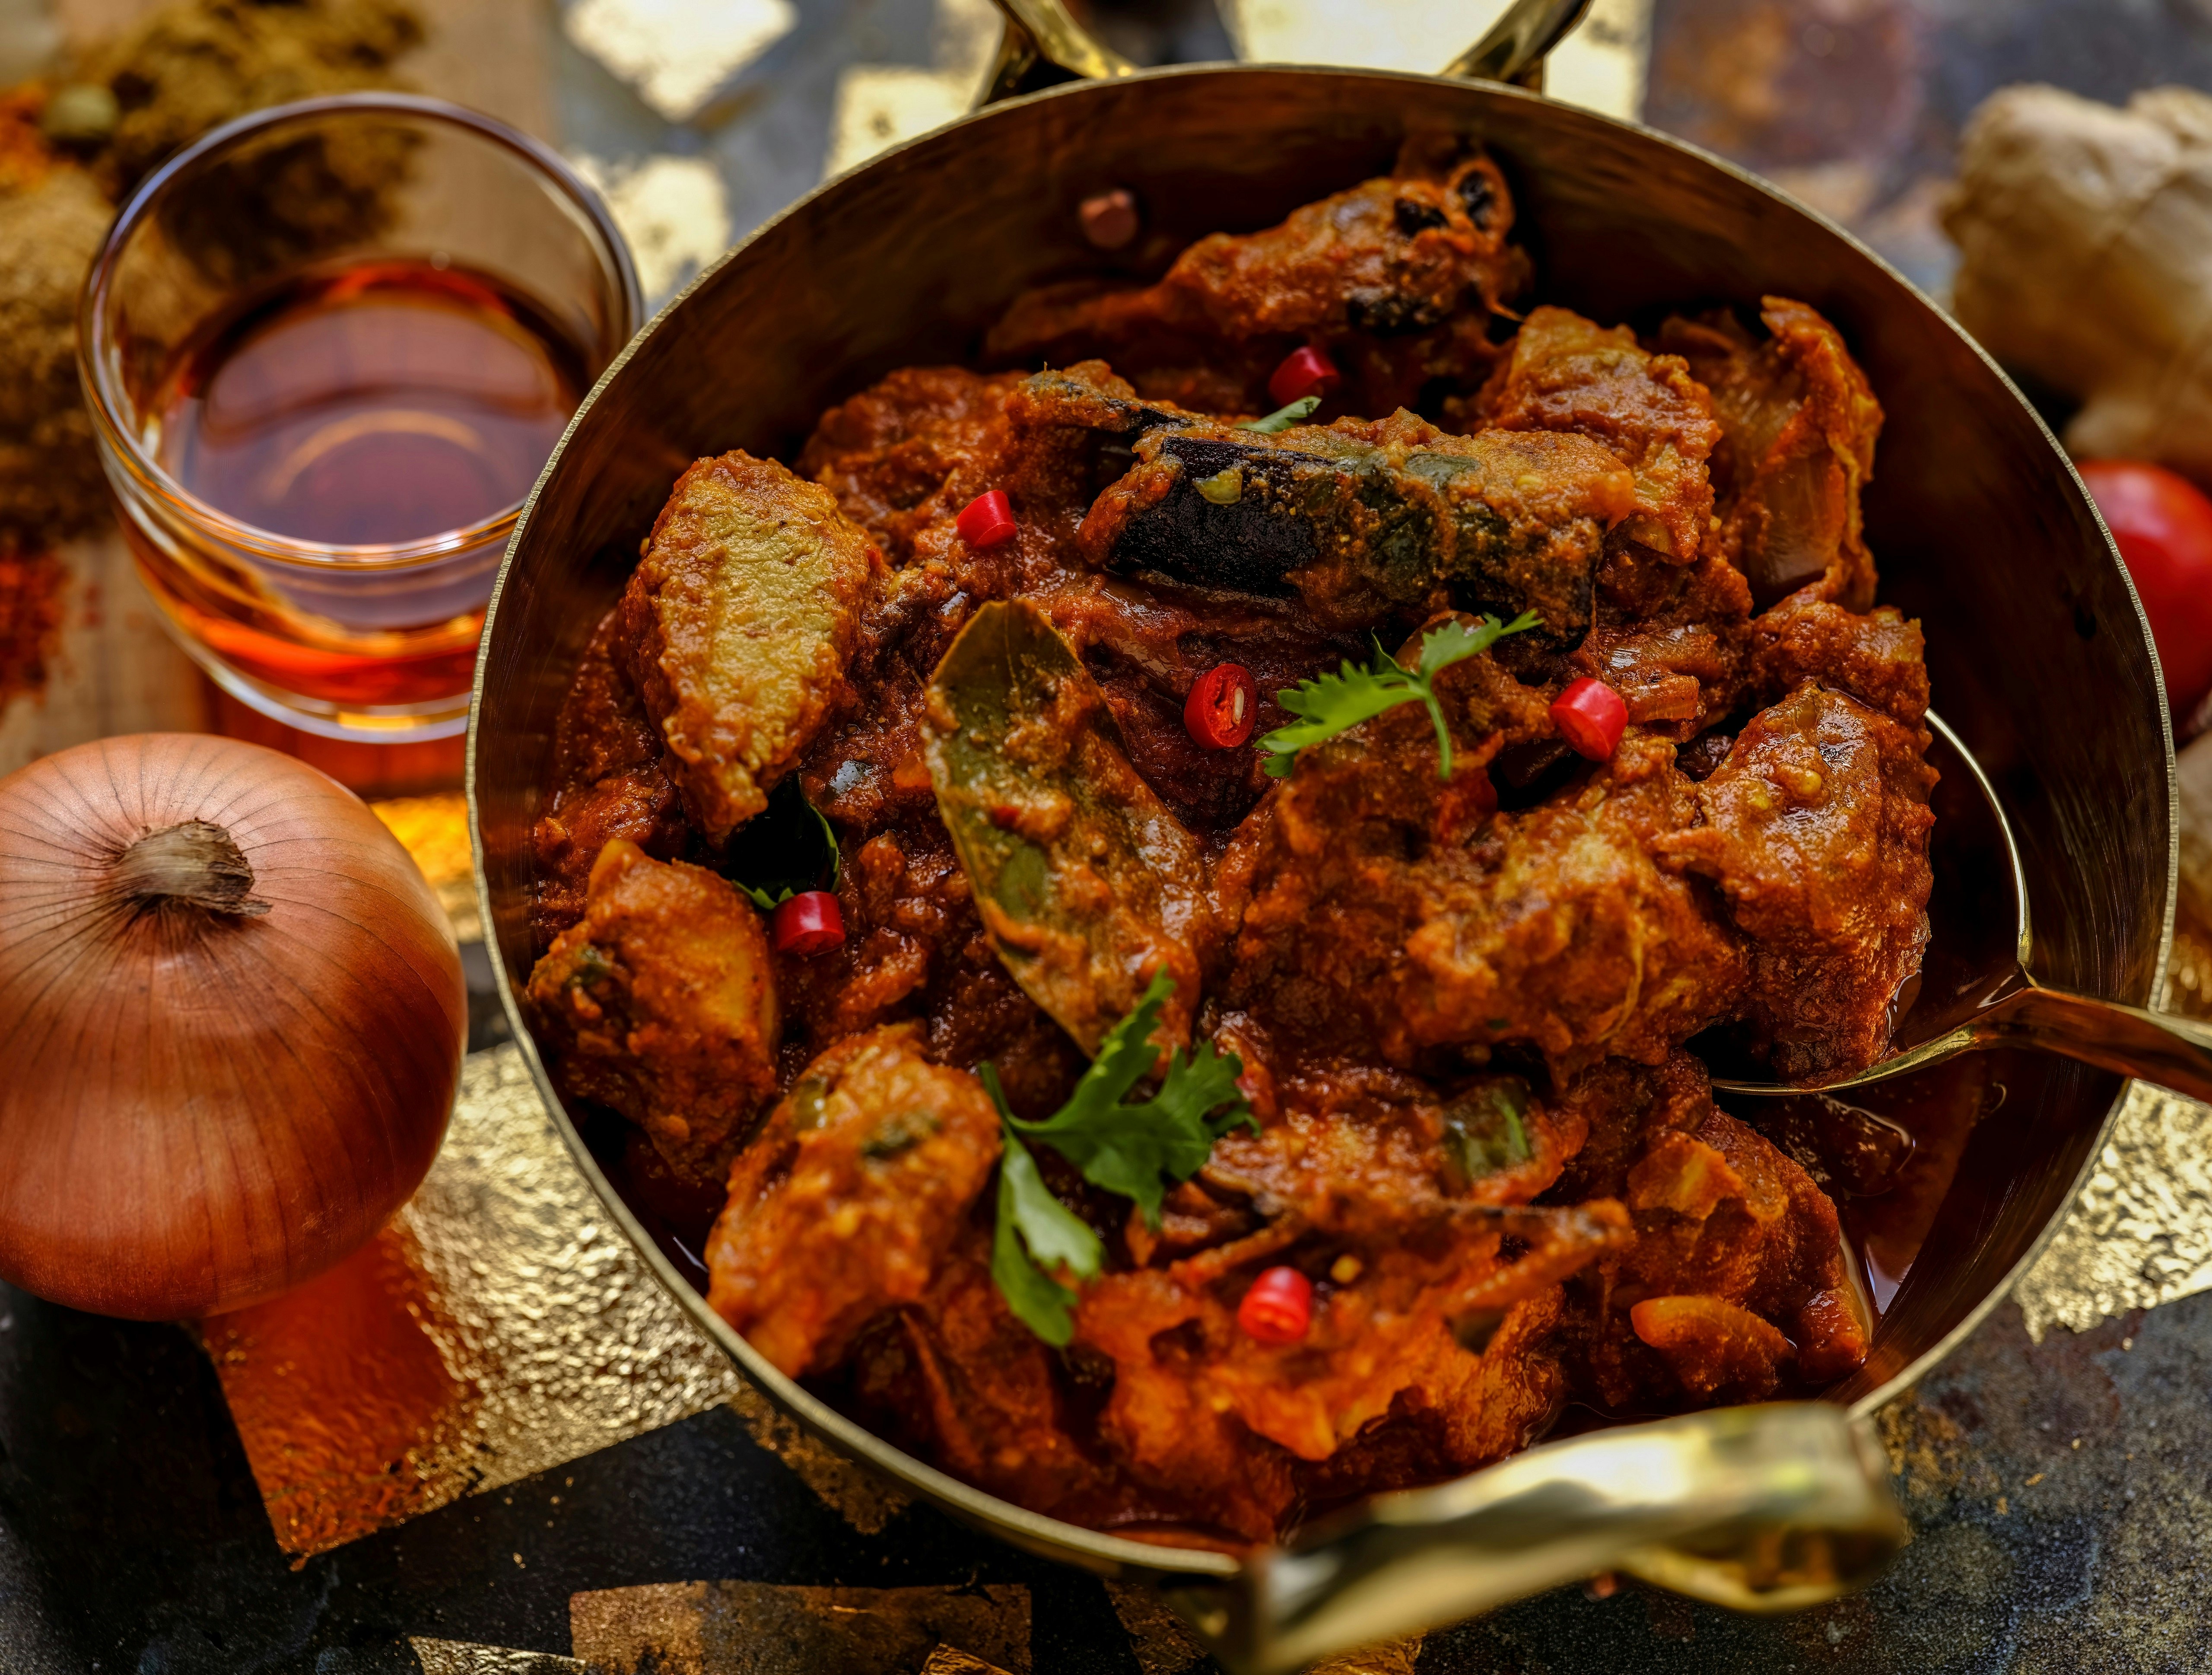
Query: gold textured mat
(498, 1327)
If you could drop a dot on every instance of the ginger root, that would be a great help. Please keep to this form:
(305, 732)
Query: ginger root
(2085, 234)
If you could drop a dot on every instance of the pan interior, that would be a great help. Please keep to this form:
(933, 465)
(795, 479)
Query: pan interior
(2036, 648)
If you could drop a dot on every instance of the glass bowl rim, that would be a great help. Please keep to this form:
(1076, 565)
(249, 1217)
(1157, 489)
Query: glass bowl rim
(94, 347)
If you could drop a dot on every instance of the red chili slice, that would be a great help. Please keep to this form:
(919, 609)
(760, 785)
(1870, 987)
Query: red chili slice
(1303, 371)
(1590, 715)
(986, 520)
(1222, 707)
(1279, 1308)
(808, 924)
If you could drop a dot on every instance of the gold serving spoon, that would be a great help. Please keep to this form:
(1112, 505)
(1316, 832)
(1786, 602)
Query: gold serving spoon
(1990, 999)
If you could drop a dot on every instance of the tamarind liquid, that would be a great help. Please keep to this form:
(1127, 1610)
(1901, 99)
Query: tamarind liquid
(388, 403)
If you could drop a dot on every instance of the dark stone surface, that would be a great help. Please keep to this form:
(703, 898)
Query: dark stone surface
(132, 1540)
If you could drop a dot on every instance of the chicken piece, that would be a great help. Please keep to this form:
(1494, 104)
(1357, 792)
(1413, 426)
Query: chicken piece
(1737, 1267)
(1186, 1378)
(1363, 519)
(1485, 1390)
(1554, 926)
(1737, 1270)
(1878, 658)
(1147, 644)
(660, 1002)
(1396, 279)
(1364, 1154)
(1815, 827)
(1568, 373)
(910, 451)
(958, 1381)
(740, 617)
(1798, 422)
(608, 782)
(1619, 1106)
(848, 1198)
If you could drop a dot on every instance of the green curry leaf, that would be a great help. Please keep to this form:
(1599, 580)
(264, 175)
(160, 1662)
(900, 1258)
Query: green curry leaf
(1335, 704)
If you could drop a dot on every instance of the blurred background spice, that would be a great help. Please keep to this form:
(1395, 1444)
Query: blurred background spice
(70, 144)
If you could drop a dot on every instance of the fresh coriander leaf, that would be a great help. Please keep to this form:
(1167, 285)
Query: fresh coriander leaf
(786, 845)
(1136, 1148)
(1122, 1147)
(1335, 704)
(1035, 1232)
(1039, 1301)
(1284, 418)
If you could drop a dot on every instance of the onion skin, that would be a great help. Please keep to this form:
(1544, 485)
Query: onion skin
(203, 1106)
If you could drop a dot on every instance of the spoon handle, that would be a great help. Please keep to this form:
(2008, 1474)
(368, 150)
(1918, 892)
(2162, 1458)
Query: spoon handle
(2172, 1051)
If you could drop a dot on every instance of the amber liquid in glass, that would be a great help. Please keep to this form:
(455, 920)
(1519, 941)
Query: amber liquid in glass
(391, 402)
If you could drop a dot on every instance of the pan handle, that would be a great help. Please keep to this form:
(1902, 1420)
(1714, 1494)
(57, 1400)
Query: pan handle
(1043, 44)
(1515, 47)
(1770, 1508)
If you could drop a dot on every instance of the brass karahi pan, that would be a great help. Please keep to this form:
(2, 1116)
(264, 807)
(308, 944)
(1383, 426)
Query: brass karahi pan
(2037, 651)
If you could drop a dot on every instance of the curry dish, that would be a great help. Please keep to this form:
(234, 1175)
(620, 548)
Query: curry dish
(1168, 942)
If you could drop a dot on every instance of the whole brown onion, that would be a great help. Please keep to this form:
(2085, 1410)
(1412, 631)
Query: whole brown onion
(231, 1023)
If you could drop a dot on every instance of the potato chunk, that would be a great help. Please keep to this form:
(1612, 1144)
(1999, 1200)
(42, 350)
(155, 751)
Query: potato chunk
(740, 619)
(660, 1002)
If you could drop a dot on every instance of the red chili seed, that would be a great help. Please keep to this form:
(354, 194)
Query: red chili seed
(1590, 715)
(1223, 705)
(1279, 1308)
(808, 924)
(1109, 219)
(1303, 371)
(986, 520)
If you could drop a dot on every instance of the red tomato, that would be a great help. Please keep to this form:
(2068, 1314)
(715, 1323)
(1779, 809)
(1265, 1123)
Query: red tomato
(2162, 524)
(1278, 1308)
(986, 520)
(1223, 704)
(808, 924)
(1590, 715)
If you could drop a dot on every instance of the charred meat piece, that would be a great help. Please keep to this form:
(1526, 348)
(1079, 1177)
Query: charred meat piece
(1365, 520)
(660, 1002)
(910, 451)
(608, 782)
(740, 619)
(1568, 373)
(1736, 1277)
(1553, 927)
(1798, 422)
(848, 1198)
(1879, 658)
(1148, 645)
(1815, 827)
(1396, 278)
(1671, 639)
